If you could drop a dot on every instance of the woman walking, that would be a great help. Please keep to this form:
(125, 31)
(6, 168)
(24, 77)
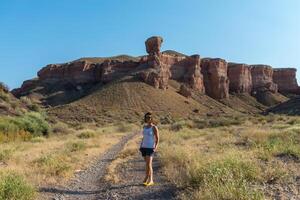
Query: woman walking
(149, 145)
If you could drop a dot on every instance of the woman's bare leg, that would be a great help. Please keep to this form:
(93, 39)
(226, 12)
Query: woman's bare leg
(150, 169)
(147, 176)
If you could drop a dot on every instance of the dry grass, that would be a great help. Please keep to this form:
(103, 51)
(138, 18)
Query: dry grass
(232, 160)
(54, 160)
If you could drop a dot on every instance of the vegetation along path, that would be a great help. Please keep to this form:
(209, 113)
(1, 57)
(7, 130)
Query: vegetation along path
(91, 184)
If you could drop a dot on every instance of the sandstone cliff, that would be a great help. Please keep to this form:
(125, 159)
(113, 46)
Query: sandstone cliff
(286, 80)
(213, 77)
(240, 79)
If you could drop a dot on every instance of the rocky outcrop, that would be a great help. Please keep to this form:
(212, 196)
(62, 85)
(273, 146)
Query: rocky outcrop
(82, 72)
(153, 45)
(262, 78)
(193, 76)
(240, 79)
(163, 67)
(157, 73)
(286, 80)
(215, 77)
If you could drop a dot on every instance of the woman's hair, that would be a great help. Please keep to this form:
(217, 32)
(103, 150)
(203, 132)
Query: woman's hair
(147, 116)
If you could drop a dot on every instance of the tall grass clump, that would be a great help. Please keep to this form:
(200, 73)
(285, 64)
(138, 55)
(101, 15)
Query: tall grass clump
(53, 164)
(86, 134)
(14, 187)
(75, 146)
(228, 178)
(5, 155)
(60, 128)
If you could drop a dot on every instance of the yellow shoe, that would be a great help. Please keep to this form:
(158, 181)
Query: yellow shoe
(150, 184)
(145, 184)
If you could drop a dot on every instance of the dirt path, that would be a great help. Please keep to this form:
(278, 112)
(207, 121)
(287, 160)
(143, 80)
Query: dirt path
(90, 184)
(132, 173)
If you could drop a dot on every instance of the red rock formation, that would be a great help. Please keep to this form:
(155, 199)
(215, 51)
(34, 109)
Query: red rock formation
(82, 72)
(153, 45)
(262, 78)
(240, 79)
(215, 77)
(286, 80)
(165, 66)
(158, 72)
(76, 72)
(193, 76)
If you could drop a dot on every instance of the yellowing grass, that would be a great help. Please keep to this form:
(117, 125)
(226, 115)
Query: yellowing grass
(54, 160)
(232, 161)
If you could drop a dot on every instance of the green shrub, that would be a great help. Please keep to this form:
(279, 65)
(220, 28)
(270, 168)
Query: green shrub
(14, 187)
(34, 107)
(4, 96)
(177, 126)
(86, 135)
(75, 146)
(37, 140)
(34, 123)
(60, 128)
(25, 100)
(224, 122)
(54, 165)
(24, 127)
(5, 155)
(226, 179)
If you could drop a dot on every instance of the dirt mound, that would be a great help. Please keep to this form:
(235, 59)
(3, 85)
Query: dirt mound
(290, 107)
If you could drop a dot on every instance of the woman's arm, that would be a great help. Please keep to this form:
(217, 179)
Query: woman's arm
(156, 135)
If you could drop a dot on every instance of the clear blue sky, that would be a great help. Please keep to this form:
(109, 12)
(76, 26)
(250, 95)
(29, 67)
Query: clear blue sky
(36, 32)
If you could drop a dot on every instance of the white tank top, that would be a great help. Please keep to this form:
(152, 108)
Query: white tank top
(148, 137)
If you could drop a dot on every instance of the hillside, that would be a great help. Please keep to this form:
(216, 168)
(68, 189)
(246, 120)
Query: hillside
(290, 107)
(128, 99)
(10, 105)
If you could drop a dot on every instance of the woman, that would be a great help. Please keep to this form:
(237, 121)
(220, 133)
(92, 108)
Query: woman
(149, 146)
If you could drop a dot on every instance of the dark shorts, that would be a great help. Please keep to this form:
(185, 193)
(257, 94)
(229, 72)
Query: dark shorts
(147, 151)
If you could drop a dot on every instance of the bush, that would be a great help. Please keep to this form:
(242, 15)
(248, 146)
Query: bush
(24, 127)
(75, 146)
(25, 100)
(54, 165)
(61, 128)
(86, 135)
(34, 107)
(33, 123)
(14, 187)
(4, 96)
(5, 155)
(226, 179)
